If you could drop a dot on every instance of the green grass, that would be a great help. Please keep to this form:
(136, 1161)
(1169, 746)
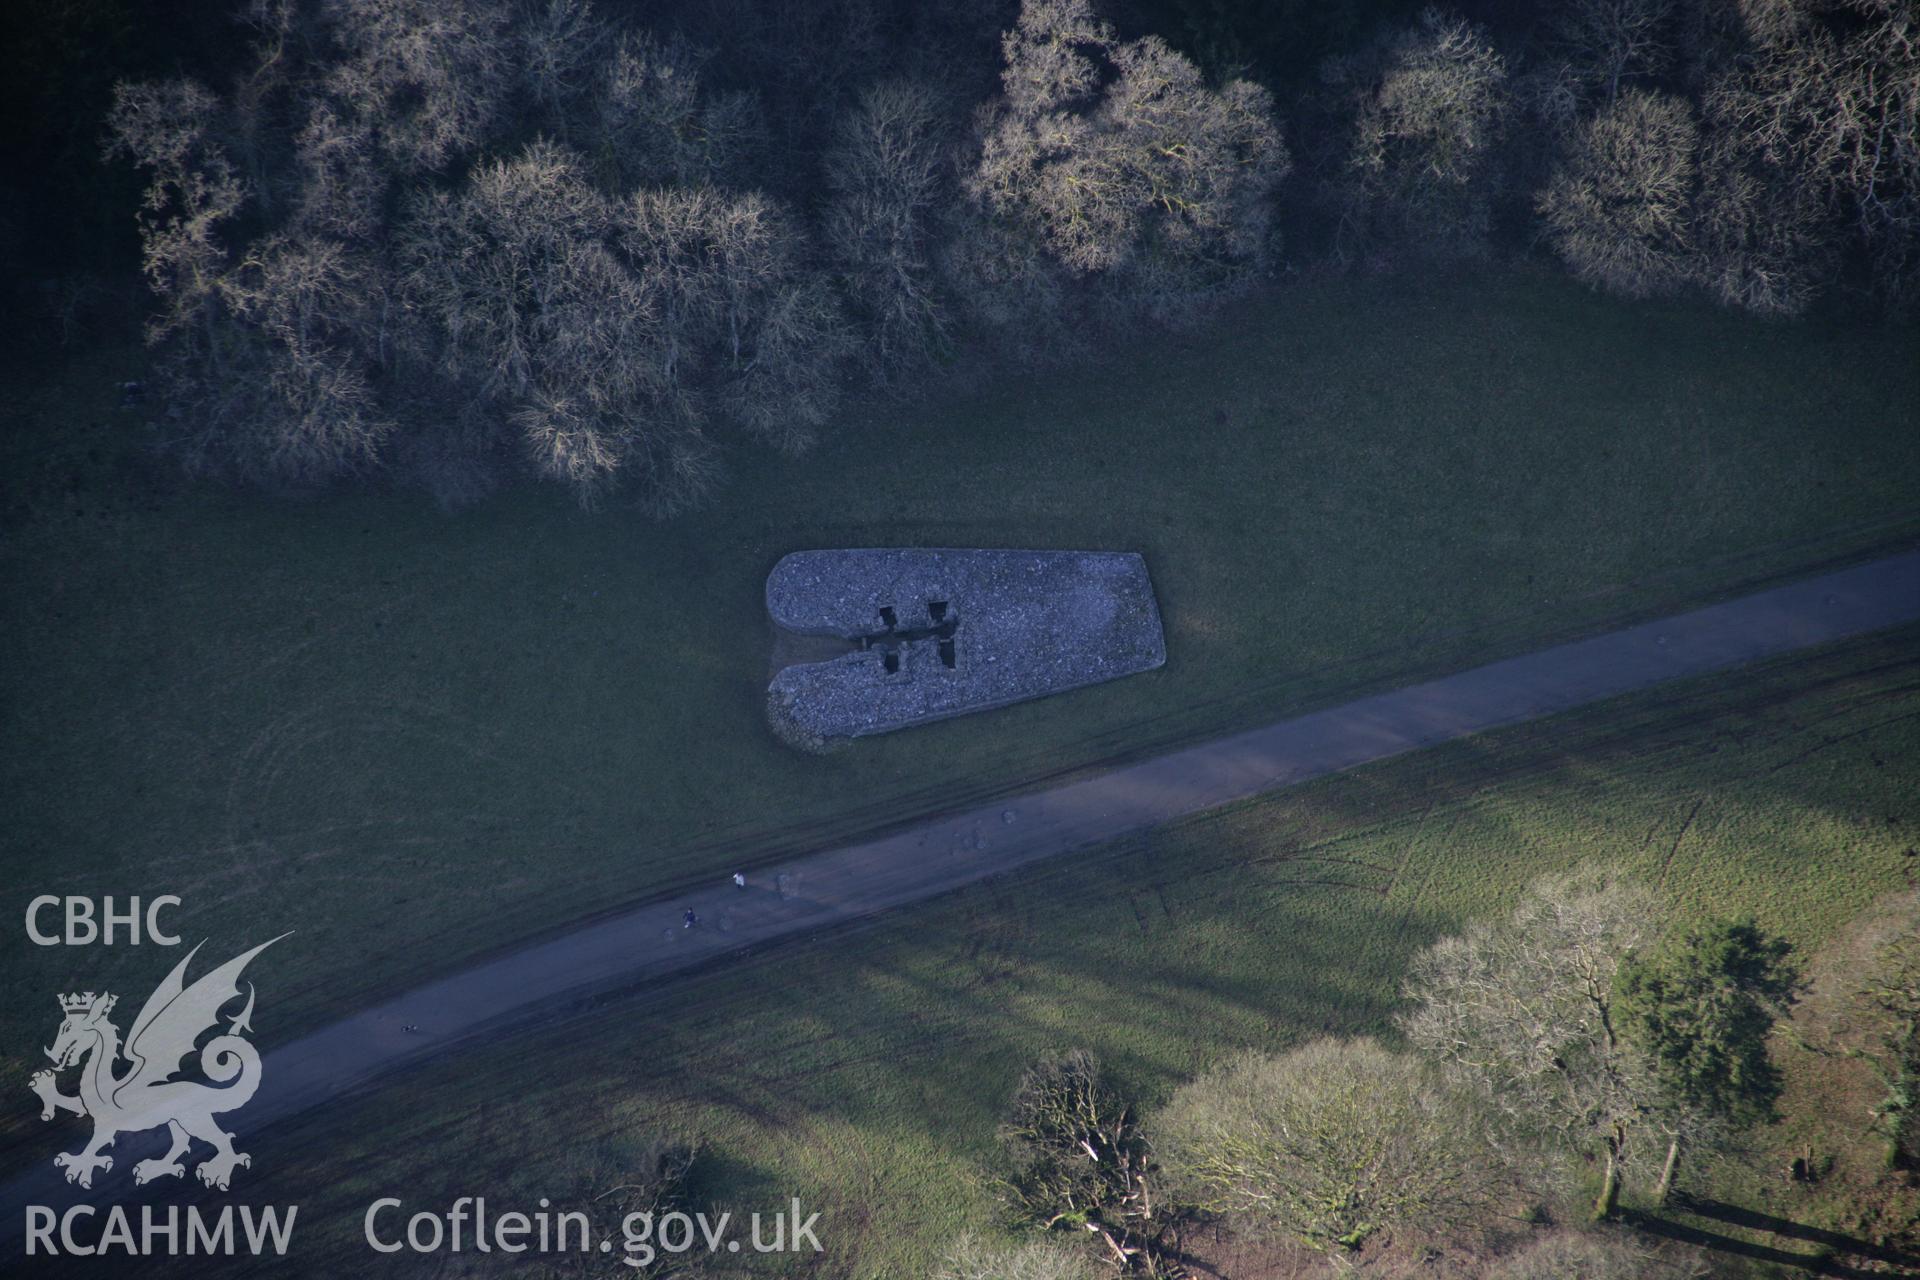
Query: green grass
(412, 737)
(865, 1071)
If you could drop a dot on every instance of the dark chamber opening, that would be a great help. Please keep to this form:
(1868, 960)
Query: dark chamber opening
(894, 638)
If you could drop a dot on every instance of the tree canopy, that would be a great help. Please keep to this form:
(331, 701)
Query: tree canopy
(1703, 1004)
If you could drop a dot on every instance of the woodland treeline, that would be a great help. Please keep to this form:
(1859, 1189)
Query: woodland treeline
(448, 240)
(1587, 1044)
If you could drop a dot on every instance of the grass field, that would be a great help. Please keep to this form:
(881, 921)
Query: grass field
(864, 1072)
(414, 737)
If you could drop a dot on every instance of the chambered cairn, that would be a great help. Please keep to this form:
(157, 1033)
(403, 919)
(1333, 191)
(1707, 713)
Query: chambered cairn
(872, 640)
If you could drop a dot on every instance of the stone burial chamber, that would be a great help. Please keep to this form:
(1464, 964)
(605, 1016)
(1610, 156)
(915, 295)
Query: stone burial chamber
(883, 639)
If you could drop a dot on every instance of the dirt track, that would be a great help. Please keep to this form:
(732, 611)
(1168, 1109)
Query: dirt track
(811, 892)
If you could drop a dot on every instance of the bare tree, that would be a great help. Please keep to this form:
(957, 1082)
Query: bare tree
(805, 59)
(1607, 41)
(786, 349)
(1112, 153)
(888, 172)
(425, 77)
(1521, 1014)
(1831, 98)
(1648, 200)
(1332, 1143)
(535, 311)
(613, 332)
(738, 300)
(192, 193)
(558, 42)
(1427, 105)
(1619, 210)
(341, 186)
(652, 125)
(1762, 237)
(251, 121)
(1081, 1163)
(1006, 284)
(259, 358)
(309, 299)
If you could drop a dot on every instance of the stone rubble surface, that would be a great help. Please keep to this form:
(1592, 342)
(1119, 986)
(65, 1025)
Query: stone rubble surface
(1025, 624)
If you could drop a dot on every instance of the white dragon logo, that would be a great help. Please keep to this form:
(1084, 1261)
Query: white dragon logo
(145, 1097)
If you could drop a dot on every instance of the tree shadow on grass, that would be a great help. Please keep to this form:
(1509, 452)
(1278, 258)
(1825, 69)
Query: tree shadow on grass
(1813, 1264)
(1758, 1221)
